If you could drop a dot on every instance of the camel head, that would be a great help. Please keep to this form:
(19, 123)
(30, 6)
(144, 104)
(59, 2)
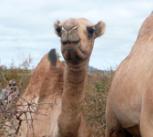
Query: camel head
(77, 38)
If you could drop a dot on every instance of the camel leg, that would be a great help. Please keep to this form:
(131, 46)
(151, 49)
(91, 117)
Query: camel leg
(113, 128)
(146, 117)
(117, 133)
(146, 126)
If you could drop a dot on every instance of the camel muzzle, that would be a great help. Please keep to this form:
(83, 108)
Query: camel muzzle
(70, 36)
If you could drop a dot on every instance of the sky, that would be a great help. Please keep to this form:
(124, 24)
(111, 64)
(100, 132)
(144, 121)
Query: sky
(26, 28)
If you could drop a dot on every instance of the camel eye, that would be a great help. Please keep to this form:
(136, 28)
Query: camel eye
(91, 31)
(58, 30)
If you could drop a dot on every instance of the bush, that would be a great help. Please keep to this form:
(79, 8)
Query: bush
(97, 86)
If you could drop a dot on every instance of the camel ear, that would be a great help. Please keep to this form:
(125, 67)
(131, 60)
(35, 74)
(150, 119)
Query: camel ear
(99, 29)
(58, 28)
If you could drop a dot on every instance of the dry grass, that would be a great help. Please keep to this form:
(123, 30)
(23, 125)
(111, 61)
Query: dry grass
(20, 75)
(95, 100)
(95, 96)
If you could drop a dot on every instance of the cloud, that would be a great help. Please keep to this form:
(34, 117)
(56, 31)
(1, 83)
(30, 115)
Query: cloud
(27, 27)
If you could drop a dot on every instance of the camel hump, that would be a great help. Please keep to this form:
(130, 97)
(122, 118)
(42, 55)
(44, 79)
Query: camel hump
(52, 56)
(146, 30)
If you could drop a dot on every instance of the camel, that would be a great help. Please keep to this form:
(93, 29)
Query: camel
(57, 89)
(129, 108)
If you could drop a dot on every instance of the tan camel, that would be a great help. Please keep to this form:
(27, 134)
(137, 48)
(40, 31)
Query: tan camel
(129, 108)
(59, 96)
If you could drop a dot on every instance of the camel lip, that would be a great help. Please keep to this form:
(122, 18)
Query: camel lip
(70, 42)
(71, 46)
(74, 55)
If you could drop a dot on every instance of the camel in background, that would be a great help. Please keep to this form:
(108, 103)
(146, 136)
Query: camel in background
(57, 88)
(129, 110)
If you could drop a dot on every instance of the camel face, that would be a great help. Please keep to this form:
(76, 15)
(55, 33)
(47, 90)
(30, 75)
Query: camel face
(77, 38)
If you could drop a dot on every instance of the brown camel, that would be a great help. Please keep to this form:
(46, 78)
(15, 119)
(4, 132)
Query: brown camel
(129, 108)
(58, 96)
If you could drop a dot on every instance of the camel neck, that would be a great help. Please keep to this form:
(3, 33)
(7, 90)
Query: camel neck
(75, 76)
(74, 82)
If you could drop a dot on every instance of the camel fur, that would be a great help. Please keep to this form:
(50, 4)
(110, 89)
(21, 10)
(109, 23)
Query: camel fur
(57, 88)
(129, 107)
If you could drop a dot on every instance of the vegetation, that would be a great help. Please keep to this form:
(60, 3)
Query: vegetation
(95, 99)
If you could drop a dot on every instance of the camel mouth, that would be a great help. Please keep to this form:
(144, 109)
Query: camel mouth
(70, 42)
(73, 53)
